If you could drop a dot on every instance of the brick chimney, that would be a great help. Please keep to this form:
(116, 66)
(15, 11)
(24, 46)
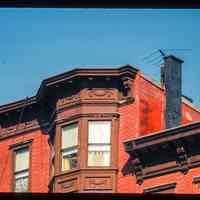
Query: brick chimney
(171, 79)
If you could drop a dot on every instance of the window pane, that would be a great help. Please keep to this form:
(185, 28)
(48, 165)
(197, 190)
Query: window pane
(69, 136)
(99, 156)
(21, 183)
(99, 147)
(99, 132)
(69, 159)
(22, 159)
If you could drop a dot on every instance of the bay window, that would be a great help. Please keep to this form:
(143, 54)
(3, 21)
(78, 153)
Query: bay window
(21, 170)
(99, 143)
(69, 147)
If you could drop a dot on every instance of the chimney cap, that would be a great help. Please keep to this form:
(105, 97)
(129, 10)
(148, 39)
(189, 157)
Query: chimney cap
(174, 58)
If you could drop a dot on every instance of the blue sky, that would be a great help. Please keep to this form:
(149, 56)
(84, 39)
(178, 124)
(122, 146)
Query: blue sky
(38, 43)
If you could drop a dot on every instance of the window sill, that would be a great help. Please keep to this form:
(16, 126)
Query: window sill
(74, 171)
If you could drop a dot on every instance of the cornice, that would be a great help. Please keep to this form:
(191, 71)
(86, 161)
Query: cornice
(173, 142)
(21, 128)
(163, 136)
(17, 104)
(85, 72)
(124, 71)
(160, 188)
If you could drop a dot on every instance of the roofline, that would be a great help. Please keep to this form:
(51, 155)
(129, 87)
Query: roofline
(17, 104)
(165, 133)
(77, 72)
(81, 72)
(156, 84)
(157, 133)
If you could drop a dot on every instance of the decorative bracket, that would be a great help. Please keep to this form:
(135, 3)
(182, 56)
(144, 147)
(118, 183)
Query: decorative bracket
(127, 83)
(182, 158)
(137, 167)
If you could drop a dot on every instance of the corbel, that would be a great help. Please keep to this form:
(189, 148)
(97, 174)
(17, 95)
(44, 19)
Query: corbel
(182, 158)
(127, 83)
(138, 169)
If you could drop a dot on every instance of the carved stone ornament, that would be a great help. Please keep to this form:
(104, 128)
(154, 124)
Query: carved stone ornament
(182, 159)
(98, 183)
(89, 94)
(95, 183)
(99, 94)
(67, 100)
(127, 83)
(20, 127)
(69, 185)
(137, 167)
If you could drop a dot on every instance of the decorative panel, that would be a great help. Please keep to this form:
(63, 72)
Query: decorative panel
(98, 183)
(70, 185)
(99, 94)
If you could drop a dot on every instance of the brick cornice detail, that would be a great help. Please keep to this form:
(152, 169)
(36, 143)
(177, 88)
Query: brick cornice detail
(21, 128)
(182, 158)
(178, 145)
(138, 169)
(160, 188)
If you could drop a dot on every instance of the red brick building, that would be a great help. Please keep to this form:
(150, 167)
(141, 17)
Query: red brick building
(102, 130)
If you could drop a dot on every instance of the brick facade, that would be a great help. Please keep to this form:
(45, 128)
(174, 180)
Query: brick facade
(142, 116)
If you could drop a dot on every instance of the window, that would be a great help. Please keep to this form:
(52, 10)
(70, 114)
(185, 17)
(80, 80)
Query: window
(99, 143)
(21, 172)
(69, 147)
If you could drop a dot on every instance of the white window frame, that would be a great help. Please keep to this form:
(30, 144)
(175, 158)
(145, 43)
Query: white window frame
(102, 146)
(23, 173)
(69, 151)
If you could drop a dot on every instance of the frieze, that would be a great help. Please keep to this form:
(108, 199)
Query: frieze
(99, 94)
(88, 95)
(20, 126)
(67, 100)
(5, 132)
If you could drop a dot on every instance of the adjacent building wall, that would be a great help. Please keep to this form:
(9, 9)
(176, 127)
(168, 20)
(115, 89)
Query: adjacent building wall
(145, 116)
(39, 169)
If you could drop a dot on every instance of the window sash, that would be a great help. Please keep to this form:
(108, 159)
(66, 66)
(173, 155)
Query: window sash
(99, 147)
(69, 158)
(22, 159)
(21, 184)
(99, 132)
(69, 136)
(99, 155)
(21, 181)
